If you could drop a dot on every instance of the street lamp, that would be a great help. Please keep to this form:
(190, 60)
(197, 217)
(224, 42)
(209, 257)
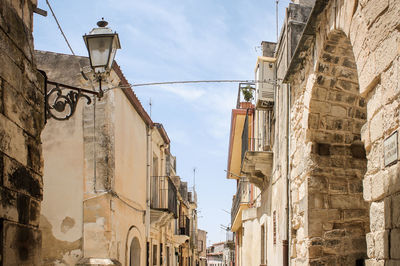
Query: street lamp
(102, 45)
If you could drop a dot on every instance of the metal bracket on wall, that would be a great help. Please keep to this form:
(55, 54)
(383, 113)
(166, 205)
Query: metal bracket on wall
(62, 100)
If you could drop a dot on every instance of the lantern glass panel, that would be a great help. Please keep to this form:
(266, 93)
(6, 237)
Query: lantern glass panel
(112, 56)
(100, 49)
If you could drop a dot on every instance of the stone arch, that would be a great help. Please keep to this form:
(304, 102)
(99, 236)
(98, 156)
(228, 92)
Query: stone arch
(330, 216)
(370, 30)
(337, 212)
(134, 251)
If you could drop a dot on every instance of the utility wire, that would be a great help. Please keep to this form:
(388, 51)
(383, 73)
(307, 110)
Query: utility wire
(129, 86)
(201, 81)
(59, 26)
(194, 81)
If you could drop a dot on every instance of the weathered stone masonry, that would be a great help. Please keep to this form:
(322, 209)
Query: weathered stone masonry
(345, 88)
(21, 122)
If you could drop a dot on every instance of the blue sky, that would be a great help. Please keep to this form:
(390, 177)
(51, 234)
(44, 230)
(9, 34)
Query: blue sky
(166, 40)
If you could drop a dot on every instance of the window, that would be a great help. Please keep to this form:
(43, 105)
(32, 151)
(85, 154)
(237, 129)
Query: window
(154, 255)
(168, 257)
(200, 246)
(161, 254)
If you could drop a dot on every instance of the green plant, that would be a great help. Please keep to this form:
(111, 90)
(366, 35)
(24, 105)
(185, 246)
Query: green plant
(247, 93)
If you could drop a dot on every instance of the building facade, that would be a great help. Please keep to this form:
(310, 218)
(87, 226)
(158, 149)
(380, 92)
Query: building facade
(350, 50)
(220, 254)
(325, 153)
(244, 203)
(117, 200)
(202, 247)
(215, 254)
(94, 210)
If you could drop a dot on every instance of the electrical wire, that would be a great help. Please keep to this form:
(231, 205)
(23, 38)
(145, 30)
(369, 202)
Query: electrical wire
(202, 81)
(59, 26)
(129, 86)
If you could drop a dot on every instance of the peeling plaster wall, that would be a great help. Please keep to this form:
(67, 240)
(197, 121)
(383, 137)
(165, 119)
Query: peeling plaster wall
(115, 194)
(61, 218)
(95, 206)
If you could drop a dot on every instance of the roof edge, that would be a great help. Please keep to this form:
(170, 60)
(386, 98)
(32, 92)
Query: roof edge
(133, 99)
(308, 32)
(163, 133)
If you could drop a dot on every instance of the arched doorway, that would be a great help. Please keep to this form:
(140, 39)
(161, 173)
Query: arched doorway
(337, 112)
(330, 160)
(135, 251)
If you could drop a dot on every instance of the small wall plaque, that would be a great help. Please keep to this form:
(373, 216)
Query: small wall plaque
(391, 149)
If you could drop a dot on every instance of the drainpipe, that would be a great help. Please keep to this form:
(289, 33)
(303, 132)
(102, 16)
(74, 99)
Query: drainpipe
(286, 253)
(148, 180)
(289, 197)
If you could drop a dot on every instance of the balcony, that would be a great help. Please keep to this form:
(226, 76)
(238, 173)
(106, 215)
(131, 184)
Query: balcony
(241, 201)
(163, 198)
(184, 226)
(182, 230)
(257, 167)
(230, 240)
(257, 162)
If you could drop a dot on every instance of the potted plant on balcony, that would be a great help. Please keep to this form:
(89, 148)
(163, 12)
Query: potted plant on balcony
(247, 93)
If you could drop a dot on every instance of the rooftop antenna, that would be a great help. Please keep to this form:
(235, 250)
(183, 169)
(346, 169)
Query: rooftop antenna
(150, 104)
(277, 28)
(194, 178)
(228, 212)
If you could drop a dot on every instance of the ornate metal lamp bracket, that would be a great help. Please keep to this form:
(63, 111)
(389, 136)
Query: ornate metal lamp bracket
(62, 100)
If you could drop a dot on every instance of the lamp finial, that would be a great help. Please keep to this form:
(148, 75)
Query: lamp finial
(102, 23)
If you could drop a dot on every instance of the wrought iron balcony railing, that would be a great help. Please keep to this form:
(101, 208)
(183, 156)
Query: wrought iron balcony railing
(263, 143)
(163, 195)
(184, 227)
(242, 197)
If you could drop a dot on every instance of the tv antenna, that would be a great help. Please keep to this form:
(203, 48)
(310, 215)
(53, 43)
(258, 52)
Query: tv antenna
(194, 178)
(150, 105)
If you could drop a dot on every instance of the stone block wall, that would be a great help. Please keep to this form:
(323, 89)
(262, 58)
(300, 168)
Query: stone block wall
(335, 101)
(330, 217)
(337, 213)
(21, 122)
(377, 46)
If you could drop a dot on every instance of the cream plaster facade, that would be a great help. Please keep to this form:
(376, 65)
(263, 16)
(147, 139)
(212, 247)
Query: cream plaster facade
(95, 207)
(119, 200)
